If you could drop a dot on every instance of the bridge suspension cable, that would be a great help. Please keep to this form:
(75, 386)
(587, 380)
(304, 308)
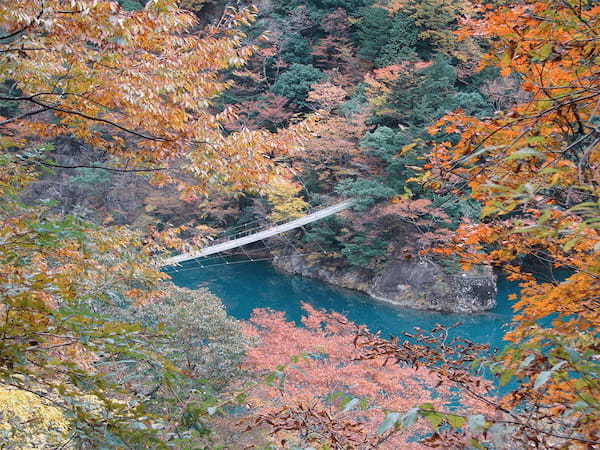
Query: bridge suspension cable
(228, 244)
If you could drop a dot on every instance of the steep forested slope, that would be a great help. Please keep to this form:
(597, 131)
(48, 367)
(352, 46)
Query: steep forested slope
(467, 133)
(377, 76)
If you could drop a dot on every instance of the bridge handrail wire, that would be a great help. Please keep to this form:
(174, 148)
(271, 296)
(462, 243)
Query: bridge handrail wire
(222, 236)
(187, 256)
(269, 225)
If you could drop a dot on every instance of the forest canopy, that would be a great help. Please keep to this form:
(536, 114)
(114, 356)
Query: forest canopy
(467, 133)
(78, 329)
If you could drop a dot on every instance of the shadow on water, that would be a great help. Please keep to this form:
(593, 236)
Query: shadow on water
(244, 287)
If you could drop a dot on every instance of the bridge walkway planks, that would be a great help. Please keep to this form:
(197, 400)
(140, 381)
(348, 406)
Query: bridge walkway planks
(259, 236)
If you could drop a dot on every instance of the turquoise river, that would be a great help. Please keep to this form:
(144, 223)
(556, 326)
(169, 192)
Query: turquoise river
(244, 287)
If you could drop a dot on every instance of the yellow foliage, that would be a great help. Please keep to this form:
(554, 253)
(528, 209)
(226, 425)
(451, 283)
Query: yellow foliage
(192, 5)
(138, 85)
(27, 422)
(282, 194)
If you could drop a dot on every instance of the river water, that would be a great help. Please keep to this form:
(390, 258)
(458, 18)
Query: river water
(249, 285)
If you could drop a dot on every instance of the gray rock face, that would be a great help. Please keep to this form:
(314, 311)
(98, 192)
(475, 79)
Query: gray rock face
(412, 284)
(427, 286)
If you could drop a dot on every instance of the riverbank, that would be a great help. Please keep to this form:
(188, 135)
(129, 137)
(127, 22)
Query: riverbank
(405, 283)
(245, 286)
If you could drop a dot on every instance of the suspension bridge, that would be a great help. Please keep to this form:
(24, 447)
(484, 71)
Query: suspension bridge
(249, 236)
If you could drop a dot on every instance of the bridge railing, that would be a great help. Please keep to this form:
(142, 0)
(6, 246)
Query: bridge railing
(265, 231)
(268, 225)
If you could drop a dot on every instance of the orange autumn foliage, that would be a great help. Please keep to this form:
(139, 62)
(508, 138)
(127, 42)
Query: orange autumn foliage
(139, 85)
(536, 171)
(319, 369)
(140, 88)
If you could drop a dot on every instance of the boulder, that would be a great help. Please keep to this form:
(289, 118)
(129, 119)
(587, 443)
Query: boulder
(407, 283)
(426, 285)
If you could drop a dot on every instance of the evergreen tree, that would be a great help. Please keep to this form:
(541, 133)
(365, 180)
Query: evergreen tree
(295, 83)
(7, 108)
(372, 32)
(346, 4)
(397, 151)
(365, 191)
(361, 250)
(422, 98)
(472, 103)
(317, 8)
(402, 42)
(437, 20)
(131, 5)
(326, 233)
(296, 50)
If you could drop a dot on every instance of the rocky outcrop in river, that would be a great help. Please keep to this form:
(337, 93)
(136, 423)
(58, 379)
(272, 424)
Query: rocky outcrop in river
(408, 283)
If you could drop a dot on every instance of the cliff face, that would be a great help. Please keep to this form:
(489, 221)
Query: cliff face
(405, 283)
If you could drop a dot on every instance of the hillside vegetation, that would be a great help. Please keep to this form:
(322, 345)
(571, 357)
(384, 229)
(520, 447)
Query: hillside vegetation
(467, 132)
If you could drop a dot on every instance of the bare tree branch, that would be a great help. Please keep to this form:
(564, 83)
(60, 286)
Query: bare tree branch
(22, 116)
(32, 99)
(109, 169)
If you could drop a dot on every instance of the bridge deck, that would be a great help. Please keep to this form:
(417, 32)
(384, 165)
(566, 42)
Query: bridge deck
(259, 236)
